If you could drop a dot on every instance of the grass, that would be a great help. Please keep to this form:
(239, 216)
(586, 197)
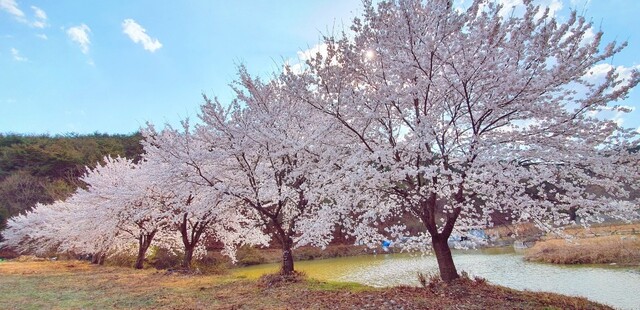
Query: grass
(79, 285)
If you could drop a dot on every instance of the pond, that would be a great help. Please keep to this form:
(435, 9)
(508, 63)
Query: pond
(616, 286)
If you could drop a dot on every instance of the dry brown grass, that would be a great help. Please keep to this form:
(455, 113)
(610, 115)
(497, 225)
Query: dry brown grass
(604, 229)
(79, 285)
(619, 249)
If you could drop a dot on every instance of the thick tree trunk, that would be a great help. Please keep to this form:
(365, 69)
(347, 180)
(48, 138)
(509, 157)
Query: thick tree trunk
(144, 241)
(190, 244)
(447, 268)
(188, 256)
(140, 259)
(287, 257)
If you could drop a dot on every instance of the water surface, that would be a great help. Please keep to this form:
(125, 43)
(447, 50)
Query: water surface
(615, 286)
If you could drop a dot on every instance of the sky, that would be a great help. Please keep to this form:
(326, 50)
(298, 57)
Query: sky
(111, 66)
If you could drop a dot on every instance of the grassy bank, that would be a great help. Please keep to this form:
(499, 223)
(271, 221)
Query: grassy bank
(618, 249)
(605, 243)
(74, 284)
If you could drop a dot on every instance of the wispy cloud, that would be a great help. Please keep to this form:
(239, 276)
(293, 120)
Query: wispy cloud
(16, 55)
(554, 7)
(42, 36)
(598, 73)
(11, 7)
(138, 34)
(80, 35)
(40, 16)
(625, 75)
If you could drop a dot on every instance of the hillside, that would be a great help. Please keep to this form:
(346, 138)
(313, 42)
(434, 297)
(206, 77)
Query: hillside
(46, 168)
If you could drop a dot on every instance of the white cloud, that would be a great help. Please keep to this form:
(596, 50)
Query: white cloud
(312, 52)
(40, 14)
(598, 73)
(42, 36)
(297, 65)
(41, 17)
(80, 35)
(16, 55)
(11, 7)
(139, 35)
(589, 36)
(554, 7)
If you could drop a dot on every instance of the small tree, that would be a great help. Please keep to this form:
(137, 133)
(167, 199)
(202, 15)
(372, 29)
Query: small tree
(126, 192)
(461, 114)
(37, 231)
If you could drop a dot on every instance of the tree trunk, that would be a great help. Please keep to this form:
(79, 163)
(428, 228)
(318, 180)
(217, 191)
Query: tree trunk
(196, 232)
(101, 258)
(95, 258)
(573, 213)
(144, 241)
(140, 259)
(447, 268)
(287, 257)
(188, 256)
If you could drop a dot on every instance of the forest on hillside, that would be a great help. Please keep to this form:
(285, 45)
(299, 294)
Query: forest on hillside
(43, 169)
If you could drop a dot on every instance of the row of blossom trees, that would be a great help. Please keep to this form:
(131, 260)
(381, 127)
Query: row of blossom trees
(445, 115)
(126, 207)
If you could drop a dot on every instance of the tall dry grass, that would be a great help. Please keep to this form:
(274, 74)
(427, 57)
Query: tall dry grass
(619, 249)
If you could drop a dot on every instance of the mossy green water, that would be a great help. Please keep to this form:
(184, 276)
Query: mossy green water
(324, 269)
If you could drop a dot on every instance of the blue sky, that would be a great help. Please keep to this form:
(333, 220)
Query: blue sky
(110, 66)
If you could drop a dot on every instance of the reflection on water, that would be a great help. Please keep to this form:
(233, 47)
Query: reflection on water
(615, 286)
(324, 269)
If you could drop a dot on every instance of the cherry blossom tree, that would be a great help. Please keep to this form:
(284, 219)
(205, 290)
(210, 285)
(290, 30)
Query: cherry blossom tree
(127, 193)
(198, 210)
(73, 226)
(90, 229)
(271, 156)
(35, 231)
(457, 115)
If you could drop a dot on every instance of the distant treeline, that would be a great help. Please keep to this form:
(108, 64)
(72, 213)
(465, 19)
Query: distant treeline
(46, 168)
